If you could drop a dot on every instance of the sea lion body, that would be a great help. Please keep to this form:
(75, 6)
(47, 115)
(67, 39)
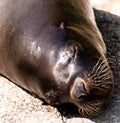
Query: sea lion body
(54, 49)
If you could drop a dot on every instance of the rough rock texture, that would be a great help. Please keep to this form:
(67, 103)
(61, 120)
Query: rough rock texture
(17, 106)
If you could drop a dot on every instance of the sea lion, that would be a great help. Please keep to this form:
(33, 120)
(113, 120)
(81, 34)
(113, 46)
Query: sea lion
(54, 49)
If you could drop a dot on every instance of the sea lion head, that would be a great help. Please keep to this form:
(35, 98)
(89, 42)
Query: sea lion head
(68, 67)
(60, 57)
(82, 75)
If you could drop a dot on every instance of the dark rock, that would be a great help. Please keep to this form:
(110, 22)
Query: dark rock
(109, 26)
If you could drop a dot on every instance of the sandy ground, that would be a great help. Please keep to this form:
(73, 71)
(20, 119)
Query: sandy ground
(16, 106)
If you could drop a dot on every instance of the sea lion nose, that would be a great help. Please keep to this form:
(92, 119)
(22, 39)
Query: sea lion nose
(78, 89)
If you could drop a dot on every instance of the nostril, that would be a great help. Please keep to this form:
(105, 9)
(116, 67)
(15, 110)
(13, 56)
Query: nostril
(78, 90)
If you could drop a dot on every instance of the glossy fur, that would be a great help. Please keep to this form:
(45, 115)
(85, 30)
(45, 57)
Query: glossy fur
(54, 49)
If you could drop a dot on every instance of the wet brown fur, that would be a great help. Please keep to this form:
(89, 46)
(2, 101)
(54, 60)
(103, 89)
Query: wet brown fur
(51, 24)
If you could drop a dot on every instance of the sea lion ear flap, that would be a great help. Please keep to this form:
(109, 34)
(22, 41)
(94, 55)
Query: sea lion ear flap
(62, 25)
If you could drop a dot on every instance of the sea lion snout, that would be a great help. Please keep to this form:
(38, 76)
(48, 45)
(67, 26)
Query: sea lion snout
(78, 89)
(93, 89)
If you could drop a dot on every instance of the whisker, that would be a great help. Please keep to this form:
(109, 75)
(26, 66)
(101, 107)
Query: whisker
(98, 66)
(103, 75)
(95, 67)
(102, 69)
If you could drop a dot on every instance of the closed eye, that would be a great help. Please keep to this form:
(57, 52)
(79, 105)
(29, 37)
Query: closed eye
(71, 50)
